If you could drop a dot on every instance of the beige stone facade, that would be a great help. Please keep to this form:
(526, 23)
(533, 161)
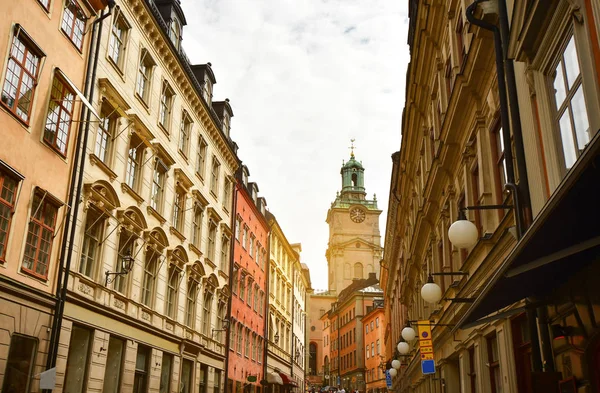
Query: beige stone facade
(157, 192)
(452, 156)
(43, 63)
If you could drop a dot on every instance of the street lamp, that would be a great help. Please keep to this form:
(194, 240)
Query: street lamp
(431, 292)
(127, 262)
(408, 333)
(396, 364)
(393, 372)
(463, 233)
(403, 348)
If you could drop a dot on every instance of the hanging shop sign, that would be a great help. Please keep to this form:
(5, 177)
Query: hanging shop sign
(426, 347)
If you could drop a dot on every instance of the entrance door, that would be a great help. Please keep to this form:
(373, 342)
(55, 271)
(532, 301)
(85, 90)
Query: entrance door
(522, 352)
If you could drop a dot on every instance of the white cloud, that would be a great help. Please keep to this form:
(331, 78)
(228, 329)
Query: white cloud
(304, 77)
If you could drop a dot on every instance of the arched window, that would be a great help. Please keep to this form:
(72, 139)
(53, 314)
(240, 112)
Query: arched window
(206, 315)
(354, 180)
(190, 305)
(312, 362)
(358, 270)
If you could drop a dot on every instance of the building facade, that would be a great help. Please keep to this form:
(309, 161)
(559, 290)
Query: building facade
(374, 335)
(317, 374)
(283, 257)
(44, 64)
(249, 288)
(354, 248)
(300, 292)
(149, 281)
(518, 308)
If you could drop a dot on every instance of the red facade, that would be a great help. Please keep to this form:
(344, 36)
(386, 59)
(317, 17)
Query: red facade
(249, 285)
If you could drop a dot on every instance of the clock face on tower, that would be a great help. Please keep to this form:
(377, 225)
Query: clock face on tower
(357, 214)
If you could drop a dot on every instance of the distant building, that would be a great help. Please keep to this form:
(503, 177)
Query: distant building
(248, 318)
(374, 337)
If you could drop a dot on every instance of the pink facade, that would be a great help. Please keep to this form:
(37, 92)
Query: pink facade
(249, 284)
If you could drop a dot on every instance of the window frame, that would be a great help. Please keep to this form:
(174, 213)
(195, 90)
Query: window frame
(52, 138)
(165, 106)
(9, 208)
(179, 209)
(88, 262)
(185, 132)
(215, 174)
(45, 203)
(149, 277)
(105, 132)
(120, 62)
(145, 60)
(133, 166)
(71, 35)
(172, 291)
(157, 189)
(201, 157)
(191, 302)
(35, 343)
(29, 47)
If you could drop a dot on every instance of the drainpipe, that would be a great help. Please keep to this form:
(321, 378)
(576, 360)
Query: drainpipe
(231, 270)
(75, 192)
(267, 314)
(536, 357)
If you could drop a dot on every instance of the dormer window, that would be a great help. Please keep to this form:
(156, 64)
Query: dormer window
(175, 32)
(226, 124)
(207, 91)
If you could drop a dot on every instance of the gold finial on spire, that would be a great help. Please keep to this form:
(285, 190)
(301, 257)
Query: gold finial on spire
(352, 147)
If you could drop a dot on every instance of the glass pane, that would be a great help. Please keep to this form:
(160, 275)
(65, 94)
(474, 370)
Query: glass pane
(141, 360)
(114, 361)
(165, 373)
(19, 364)
(77, 360)
(559, 86)
(186, 376)
(580, 119)
(567, 140)
(571, 62)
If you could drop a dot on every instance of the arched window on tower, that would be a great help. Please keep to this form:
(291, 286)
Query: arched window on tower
(358, 270)
(354, 180)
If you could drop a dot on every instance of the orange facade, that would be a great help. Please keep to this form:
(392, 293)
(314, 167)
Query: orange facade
(374, 334)
(248, 307)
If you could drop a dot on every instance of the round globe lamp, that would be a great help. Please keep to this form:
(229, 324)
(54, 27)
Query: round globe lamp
(396, 364)
(408, 334)
(431, 292)
(393, 372)
(463, 233)
(403, 348)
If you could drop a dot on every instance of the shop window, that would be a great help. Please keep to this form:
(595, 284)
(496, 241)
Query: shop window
(114, 365)
(166, 370)
(142, 367)
(77, 360)
(187, 367)
(494, 364)
(19, 363)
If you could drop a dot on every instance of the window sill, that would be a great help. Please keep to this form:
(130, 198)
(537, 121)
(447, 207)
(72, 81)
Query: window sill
(156, 214)
(199, 176)
(143, 102)
(164, 130)
(223, 274)
(183, 155)
(176, 232)
(34, 275)
(210, 262)
(14, 115)
(55, 149)
(95, 160)
(116, 67)
(126, 189)
(195, 249)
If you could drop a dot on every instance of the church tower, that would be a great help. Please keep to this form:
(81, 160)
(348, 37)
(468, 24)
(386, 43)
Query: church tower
(354, 248)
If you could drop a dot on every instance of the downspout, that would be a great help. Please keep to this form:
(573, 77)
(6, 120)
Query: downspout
(267, 313)
(75, 192)
(536, 357)
(231, 270)
(292, 352)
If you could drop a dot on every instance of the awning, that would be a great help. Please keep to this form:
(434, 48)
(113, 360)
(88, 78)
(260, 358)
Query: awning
(78, 92)
(274, 378)
(287, 380)
(563, 239)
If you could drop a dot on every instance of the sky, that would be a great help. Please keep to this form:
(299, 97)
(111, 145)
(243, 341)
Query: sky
(304, 77)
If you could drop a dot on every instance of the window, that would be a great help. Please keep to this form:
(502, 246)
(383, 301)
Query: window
(500, 170)
(245, 237)
(521, 341)
(60, 112)
(19, 364)
(8, 191)
(232, 337)
(367, 328)
(21, 78)
(253, 357)
(251, 246)
(472, 372)
(166, 369)
(175, 32)
(212, 237)
(571, 112)
(39, 236)
(494, 364)
(358, 272)
(190, 305)
(135, 152)
(77, 359)
(126, 249)
(224, 253)
(166, 104)
(226, 124)
(144, 78)
(247, 341)
(187, 367)
(240, 336)
(236, 274)
(197, 225)
(372, 349)
(460, 45)
(142, 361)
(203, 379)
(221, 316)
(214, 180)
(207, 90)
(256, 298)
(238, 224)
(242, 287)
(73, 23)
(249, 293)
(105, 133)
(179, 210)
(185, 130)
(227, 194)
(377, 322)
(114, 363)
(367, 352)
(217, 387)
(172, 291)
(45, 4)
(158, 185)
(92, 239)
(201, 159)
(378, 347)
(118, 40)
(149, 278)
(206, 316)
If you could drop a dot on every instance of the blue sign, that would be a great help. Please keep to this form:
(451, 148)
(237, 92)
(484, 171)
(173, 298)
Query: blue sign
(338, 380)
(428, 366)
(388, 379)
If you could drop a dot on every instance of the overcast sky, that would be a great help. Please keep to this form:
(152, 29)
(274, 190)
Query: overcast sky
(304, 77)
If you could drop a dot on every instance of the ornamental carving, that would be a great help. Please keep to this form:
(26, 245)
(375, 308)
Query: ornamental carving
(86, 289)
(118, 303)
(146, 316)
